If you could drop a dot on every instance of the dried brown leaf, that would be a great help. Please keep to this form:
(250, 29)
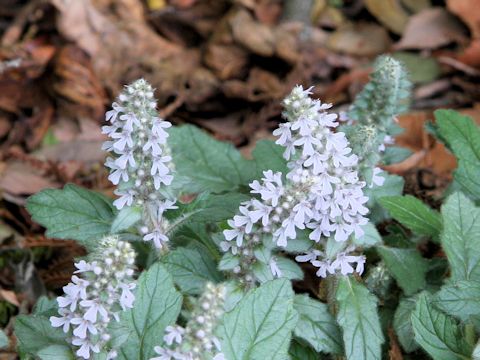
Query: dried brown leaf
(390, 13)
(363, 39)
(255, 36)
(431, 29)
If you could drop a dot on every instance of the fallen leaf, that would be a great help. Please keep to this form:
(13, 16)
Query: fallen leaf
(10, 297)
(261, 85)
(390, 13)
(116, 42)
(227, 61)
(471, 55)
(430, 29)
(79, 92)
(255, 36)
(363, 39)
(18, 178)
(416, 5)
(468, 11)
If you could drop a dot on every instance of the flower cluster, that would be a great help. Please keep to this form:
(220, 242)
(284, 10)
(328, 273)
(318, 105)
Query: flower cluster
(197, 340)
(102, 288)
(342, 263)
(321, 191)
(141, 162)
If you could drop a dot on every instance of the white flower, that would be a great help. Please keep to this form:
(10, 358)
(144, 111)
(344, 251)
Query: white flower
(323, 268)
(85, 347)
(284, 133)
(94, 307)
(343, 261)
(244, 219)
(173, 334)
(309, 256)
(276, 272)
(160, 179)
(82, 266)
(158, 165)
(83, 326)
(63, 321)
(235, 232)
(165, 354)
(260, 211)
(157, 236)
(126, 198)
(376, 178)
(126, 297)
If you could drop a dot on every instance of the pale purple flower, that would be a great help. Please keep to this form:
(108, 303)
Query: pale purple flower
(126, 297)
(63, 321)
(376, 178)
(244, 219)
(284, 133)
(276, 272)
(126, 198)
(83, 326)
(323, 268)
(85, 347)
(157, 236)
(173, 334)
(95, 307)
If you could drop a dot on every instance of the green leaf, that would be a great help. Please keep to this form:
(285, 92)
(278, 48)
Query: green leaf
(420, 69)
(269, 156)
(402, 323)
(211, 165)
(392, 186)
(358, 317)
(437, 333)
(413, 214)
(317, 326)
(289, 269)
(395, 154)
(261, 324)
(461, 300)
(72, 213)
(56, 352)
(463, 137)
(205, 208)
(407, 266)
(298, 351)
(35, 333)
(157, 305)
(191, 269)
(370, 238)
(461, 237)
(126, 218)
(4, 341)
(46, 307)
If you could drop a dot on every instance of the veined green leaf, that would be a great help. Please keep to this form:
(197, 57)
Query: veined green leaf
(463, 137)
(414, 214)
(72, 213)
(191, 269)
(461, 300)
(211, 165)
(437, 333)
(157, 305)
(461, 237)
(358, 318)
(35, 333)
(407, 266)
(402, 324)
(261, 324)
(317, 326)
